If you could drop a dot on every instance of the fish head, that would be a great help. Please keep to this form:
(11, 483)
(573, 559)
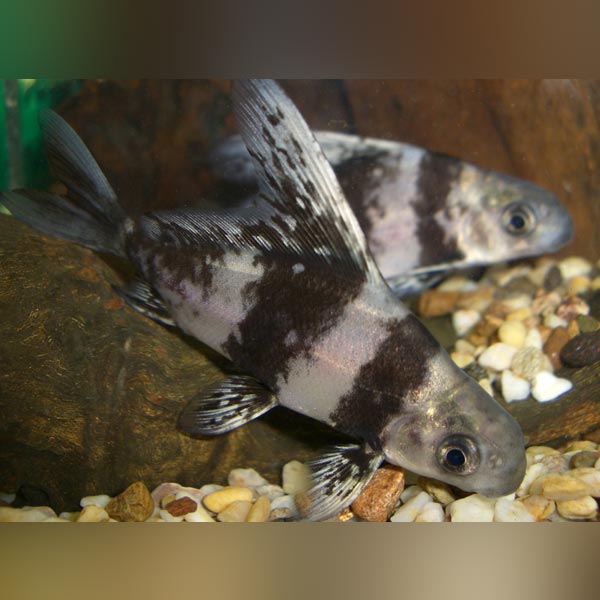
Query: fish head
(462, 437)
(508, 218)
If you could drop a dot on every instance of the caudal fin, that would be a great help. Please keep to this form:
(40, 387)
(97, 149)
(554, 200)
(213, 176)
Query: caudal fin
(89, 213)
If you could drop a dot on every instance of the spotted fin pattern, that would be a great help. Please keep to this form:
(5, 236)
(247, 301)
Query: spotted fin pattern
(226, 406)
(141, 297)
(338, 477)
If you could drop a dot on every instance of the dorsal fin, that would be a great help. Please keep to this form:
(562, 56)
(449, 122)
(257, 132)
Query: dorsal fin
(296, 179)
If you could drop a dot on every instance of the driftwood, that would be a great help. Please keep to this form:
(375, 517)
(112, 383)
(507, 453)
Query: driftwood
(90, 390)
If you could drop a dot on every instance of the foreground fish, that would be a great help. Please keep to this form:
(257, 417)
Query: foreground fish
(425, 213)
(289, 292)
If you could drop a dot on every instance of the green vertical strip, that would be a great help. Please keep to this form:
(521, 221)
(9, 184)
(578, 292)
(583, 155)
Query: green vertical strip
(3, 148)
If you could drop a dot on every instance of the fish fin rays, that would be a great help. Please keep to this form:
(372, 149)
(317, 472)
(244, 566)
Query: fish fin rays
(226, 405)
(338, 477)
(296, 179)
(141, 297)
(415, 282)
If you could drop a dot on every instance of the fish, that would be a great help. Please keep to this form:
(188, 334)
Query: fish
(288, 291)
(424, 213)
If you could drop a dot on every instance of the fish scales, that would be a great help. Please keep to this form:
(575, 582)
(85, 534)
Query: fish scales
(288, 290)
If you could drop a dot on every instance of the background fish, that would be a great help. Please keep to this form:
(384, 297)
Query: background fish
(290, 293)
(425, 213)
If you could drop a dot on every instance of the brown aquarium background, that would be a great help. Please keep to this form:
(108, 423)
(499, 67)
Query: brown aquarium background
(90, 390)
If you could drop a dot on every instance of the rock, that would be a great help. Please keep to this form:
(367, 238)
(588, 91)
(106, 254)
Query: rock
(521, 314)
(553, 321)
(478, 299)
(595, 284)
(476, 371)
(547, 387)
(462, 359)
(514, 388)
(134, 504)
(200, 515)
(559, 487)
(512, 333)
(245, 478)
(438, 490)
(545, 303)
(590, 477)
(408, 512)
(270, 491)
(283, 507)
(259, 511)
(432, 512)
(380, 496)
(8, 514)
(582, 350)
(164, 490)
(295, 477)
(166, 516)
(474, 508)
(578, 285)
(464, 319)
(219, 500)
(573, 329)
(584, 459)
(581, 445)
(410, 492)
(497, 357)
(533, 339)
(541, 508)
(512, 511)
(235, 512)
(572, 307)
(101, 501)
(93, 514)
(457, 283)
(181, 506)
(586, 323)
(534, 472)
(552, 279)
(579, 509)
(433, 303)
(528, 362)
(486, 384)
(574, 266)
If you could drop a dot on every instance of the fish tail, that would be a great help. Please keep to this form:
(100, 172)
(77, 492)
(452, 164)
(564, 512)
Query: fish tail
(89, 212)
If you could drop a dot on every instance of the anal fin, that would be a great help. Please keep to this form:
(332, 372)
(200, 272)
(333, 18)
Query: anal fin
(226, 405)
(141, 297)
(338, 477)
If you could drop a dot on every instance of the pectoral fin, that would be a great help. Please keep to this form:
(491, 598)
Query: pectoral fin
(226, 406)
(338, 478)
(140, 296)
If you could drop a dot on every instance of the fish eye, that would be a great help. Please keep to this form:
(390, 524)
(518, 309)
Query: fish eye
(518, 219)
(458, 454)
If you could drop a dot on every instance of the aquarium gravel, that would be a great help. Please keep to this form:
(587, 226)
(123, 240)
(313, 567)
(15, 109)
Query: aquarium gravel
(559, 485)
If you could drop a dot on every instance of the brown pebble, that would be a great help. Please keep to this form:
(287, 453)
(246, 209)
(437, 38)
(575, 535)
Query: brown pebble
(433, 303)
(134, 504)
(582, 350)
(487, 325)
(573, 329)
(182, 506)
(380, 495)
(552, 279)
(544, 332)
(584, 459)
(558, 338)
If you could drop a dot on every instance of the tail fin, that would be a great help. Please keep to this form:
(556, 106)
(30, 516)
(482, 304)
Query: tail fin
(89, 214)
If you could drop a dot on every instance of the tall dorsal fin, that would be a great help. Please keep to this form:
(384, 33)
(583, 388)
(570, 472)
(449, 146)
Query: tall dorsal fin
(296, 179)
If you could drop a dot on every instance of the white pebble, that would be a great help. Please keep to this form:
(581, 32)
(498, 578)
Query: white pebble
(591, 477)
(100, 501)
(284, 507)
(472, 509)
(92, 514)
(270, 491)
(573, 266)
(497, 357)
(410, 492)
(514, 388)
(486, 384)
(546, 386)
(597, 464)
(580, 508)
(463, 320)
(200, 515)
(457, 283)
(209, 488)
(533, 472)
(408, 512)
(533, 339)
(528, 362)
(517, 301)
(165, 515)
(511, 511)
(464, 346)
(8, 514)
(432, 512)
(513, 333)
(295, 478)
(245, 478)
(553, 321)
(462, 359)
